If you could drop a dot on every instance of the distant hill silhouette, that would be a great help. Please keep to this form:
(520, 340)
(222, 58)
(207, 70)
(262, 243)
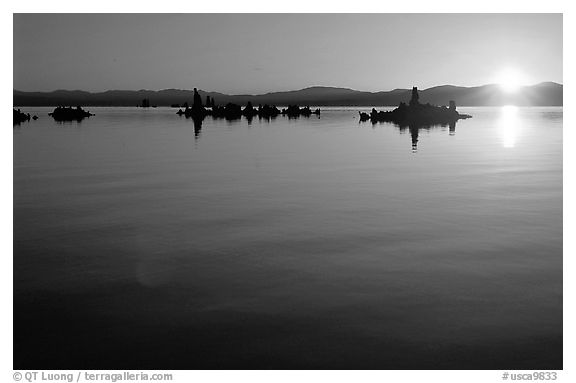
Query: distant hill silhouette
(543, 94)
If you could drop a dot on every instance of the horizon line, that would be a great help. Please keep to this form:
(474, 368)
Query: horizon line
(272, 92)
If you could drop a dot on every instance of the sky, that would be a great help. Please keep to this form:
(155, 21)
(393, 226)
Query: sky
(259, 53)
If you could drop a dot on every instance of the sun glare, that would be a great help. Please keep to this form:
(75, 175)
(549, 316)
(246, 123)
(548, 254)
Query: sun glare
(509, 125)
(510, 80)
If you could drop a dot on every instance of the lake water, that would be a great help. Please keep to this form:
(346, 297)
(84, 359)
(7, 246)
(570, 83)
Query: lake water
(306, 243)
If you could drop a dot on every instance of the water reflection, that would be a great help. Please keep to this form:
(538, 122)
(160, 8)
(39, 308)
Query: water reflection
(197, 126)
(318, 235)
(452, 128)
(233, 119)
(509, 124)
(414, 130)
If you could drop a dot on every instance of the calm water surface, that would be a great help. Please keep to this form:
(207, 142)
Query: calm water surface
(307, 243)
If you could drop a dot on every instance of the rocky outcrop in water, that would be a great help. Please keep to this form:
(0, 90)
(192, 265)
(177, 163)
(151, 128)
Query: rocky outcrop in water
(197, 110)
(20, 117)
(69, 114)
(229, 112)
(296, 111)
(416, 113)
(268, 111)
(233, 111)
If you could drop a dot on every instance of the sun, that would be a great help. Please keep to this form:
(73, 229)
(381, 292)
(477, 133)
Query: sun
(510, 80)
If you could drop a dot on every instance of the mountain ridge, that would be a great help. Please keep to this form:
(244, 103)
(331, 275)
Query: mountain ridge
(541, 94)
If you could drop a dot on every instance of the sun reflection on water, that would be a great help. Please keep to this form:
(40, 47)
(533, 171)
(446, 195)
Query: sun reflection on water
(509, 125)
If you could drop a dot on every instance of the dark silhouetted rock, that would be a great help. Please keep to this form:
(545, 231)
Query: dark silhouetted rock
(145, 103)
(229, 112)
(69, 114)
(294, 111)
(268, 111)
(249, 110)
(364, 116)
(19, 117)
(233, 111)
(197, 101)
(197, 110)
(415, 97)
(418, 114)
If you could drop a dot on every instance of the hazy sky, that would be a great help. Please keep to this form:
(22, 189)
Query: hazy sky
(256, 53)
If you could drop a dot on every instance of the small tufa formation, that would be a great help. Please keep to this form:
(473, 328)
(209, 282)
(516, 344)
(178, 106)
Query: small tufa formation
(230, 111)
(209, 102)
(364, 116)
(295, 111)
(19, 117)
(414, 99)
(268, 111)
(197, 110)
(197, 101)
(249, 110)
(69, 114)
